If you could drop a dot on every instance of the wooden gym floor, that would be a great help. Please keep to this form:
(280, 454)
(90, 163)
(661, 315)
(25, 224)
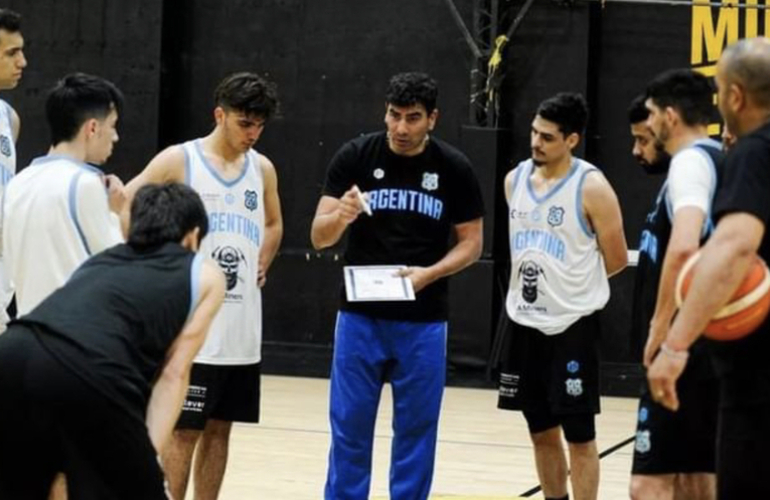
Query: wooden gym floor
(483, 453)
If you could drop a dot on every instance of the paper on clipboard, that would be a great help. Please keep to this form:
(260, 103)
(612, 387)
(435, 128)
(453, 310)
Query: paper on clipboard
(377, 283)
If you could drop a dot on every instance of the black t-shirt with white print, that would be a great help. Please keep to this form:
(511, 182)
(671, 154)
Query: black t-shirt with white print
(416, 201)
(745, 363)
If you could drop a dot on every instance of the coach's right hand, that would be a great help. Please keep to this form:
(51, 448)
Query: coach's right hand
(349, 207)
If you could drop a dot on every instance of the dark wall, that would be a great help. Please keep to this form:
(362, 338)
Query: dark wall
(331, 62)
(117, 40)
(633, 44)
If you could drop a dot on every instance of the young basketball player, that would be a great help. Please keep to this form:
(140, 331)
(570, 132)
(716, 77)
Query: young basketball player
(566, 237)
(239, 188)
(12, 64)
(94, 377)
(674, 453)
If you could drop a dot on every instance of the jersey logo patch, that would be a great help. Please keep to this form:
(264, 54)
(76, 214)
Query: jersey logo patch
(229, 198)
(529, 272)
(229, 259)
(574, 387)
(429, 181)
(5, 146)
(378, 173)
(573, 366)
(643, 414)
(250, 200)
(643, 443)
(555, 216)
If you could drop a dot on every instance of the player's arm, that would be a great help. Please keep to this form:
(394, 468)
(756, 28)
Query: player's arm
(273, 219)
(169, 390)
(691, 183)
(466, 251)
(166, 166)
(603, 213)
(685, 238)
(725, 259)
(15, 124)
(332, 217)
(100, 227)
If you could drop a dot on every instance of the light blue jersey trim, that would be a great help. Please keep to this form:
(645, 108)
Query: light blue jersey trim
(516, 176)
(73, 200)
(554, 189)
(195, 282)
(579, 203)
(187, 167)
(215, 173)
(8, 114)
(56, 157)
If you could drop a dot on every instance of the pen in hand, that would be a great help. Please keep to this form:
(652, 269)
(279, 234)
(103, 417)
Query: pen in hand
(362, 199)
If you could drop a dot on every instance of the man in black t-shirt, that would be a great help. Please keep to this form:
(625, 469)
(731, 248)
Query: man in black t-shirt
(93, 378)
(420, 192)
(742, 207)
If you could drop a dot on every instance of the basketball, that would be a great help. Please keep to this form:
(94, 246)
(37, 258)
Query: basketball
(747, 308)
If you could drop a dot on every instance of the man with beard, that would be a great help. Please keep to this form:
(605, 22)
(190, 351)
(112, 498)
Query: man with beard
(674, 452)
(742, 210)
(239, 188)
(566, 237)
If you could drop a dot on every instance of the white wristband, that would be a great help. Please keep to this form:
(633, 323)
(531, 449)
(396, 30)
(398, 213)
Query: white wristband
(683, 355)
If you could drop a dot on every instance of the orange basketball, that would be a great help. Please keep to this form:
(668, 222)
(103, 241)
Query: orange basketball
(746, 309)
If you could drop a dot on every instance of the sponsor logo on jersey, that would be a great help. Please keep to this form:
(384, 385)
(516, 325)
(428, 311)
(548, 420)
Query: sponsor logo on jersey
(229, 198)
(643, 414)
(378, 173)
(250, 199)
(574, 387)
(5, 146)
(555, 216)
(529, 273)
(573, 366)
(643, 443)
(429, 181)
(229, 259)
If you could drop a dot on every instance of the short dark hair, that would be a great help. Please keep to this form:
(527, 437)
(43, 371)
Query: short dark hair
(76, 98)
(10, 21)
(163, 213)
(688, 92)
(568, 110)
(247, 93)
(637, 111)
(408, 89)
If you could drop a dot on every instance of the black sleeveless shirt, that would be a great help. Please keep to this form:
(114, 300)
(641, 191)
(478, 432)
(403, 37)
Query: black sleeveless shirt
(116, 317)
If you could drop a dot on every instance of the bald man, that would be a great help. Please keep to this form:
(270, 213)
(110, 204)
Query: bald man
(742, 209)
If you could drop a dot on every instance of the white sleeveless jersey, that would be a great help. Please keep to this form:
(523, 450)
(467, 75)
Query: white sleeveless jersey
(557, 270)
(7, 171)
(236, 230)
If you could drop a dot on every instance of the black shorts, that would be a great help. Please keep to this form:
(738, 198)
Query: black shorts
(684, 441)
(551, 374)
(743, 445)
(221, 392)
(51, 421)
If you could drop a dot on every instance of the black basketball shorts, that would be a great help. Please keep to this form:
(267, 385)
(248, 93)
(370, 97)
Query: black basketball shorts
(221, 392)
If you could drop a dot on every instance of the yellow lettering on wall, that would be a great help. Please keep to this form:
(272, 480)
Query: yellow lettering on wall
(704, 34)
(752, 18)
